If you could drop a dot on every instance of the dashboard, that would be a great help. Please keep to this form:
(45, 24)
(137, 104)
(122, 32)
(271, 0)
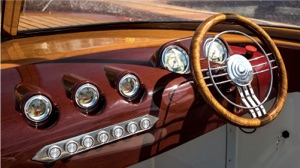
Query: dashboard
(119, 105)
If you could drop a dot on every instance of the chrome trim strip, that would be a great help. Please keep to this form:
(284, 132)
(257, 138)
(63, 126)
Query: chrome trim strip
(42, 155)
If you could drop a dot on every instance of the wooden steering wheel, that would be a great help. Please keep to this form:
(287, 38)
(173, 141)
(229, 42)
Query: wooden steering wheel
(240, 72)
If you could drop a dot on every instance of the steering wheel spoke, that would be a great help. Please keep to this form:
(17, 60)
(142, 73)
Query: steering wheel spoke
(251, 101)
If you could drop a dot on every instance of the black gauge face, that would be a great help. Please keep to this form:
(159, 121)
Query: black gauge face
(129, 85)
(216, 51)
(87, 96)
(37, 108)
(175, 59)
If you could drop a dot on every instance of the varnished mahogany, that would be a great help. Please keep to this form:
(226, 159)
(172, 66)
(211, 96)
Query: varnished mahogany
(183, 113)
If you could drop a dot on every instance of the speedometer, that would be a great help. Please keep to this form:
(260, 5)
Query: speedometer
(216, 51)
(175, 59)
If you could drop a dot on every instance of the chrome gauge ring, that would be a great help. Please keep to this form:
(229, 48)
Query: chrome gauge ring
(176, 59)
(215, 51)
(87, 96)
(240, 71)
(129, 85)
(38, 108)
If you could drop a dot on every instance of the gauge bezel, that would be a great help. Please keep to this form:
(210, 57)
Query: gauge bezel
(221, 43)
(47, 113)
(184, 53)
(136, 89)
(96, 96)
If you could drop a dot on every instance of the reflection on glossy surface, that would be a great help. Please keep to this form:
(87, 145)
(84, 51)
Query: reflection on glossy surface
(36, 49)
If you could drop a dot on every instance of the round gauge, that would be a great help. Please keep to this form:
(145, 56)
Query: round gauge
(87, 96)
(129, 85)
(38, 108)
(216, 52)
(175, 59)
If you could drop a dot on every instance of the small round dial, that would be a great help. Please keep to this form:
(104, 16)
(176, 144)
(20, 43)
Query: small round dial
(129, 85)
(175, 59)
(216, 51)
(38, 108)
(87, 96)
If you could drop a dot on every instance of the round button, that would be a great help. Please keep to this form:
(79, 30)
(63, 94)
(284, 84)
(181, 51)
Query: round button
(71, 147)
(250, 49)
(132, 127)
(87, 141)
(103, 137)
(54, 152)
(118, 132)
(145, 123)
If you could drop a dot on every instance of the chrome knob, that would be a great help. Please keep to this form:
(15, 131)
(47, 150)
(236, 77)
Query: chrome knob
(132, 127)
(118, 132)
(103, 137)
(54, 152)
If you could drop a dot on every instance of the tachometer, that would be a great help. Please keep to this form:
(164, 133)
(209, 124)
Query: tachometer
(216, 52)
(175, 59)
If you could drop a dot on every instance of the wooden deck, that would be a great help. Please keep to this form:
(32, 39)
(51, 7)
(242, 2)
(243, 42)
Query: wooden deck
(34, 21)
(42, 20)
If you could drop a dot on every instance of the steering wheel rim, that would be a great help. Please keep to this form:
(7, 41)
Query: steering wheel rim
(203, 88)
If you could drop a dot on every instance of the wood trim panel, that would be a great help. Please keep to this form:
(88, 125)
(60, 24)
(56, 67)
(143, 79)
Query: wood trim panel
(11, 16)
(36, 49)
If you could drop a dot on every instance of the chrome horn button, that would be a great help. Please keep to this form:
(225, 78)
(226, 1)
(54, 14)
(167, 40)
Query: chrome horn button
(239, 70)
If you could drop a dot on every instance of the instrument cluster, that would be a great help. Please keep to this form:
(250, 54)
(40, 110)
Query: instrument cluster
(175, 56)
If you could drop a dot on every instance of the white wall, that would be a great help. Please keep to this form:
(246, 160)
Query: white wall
(258, 150)
(207, 151)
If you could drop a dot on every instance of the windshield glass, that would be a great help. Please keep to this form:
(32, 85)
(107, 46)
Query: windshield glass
(43, 14)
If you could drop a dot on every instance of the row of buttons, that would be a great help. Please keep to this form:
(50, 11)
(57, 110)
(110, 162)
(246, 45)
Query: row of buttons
(93, 139)
(103, 137)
